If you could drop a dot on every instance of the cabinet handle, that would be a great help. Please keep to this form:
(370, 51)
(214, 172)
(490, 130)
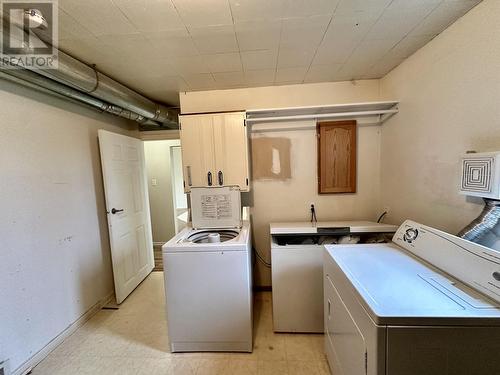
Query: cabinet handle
(190, 182)
(221, 178)
(209, 177)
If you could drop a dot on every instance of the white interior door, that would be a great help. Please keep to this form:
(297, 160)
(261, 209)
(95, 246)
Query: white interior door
(179, 197)
(127, 204)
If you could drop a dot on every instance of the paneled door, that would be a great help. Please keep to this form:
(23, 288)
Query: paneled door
(337, 157)
(197, 146)
(127, 206)
(231, 150)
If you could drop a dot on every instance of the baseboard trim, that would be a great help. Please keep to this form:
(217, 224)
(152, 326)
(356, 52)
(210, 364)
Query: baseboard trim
(28, 366)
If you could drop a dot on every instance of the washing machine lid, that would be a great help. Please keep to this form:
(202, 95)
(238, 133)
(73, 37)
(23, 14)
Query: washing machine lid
(424, 277)
(216, 207)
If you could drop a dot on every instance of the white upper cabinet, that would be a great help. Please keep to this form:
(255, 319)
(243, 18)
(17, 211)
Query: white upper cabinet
(215, 150)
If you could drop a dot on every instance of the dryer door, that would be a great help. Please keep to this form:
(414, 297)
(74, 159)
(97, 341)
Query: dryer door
(344, 339)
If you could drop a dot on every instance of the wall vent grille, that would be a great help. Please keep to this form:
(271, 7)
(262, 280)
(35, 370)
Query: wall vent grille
(480, 175)
(476, 175)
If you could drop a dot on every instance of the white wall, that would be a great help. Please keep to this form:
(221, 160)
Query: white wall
(158, 165)
(450, 96)
(290, 200)
(54, 249)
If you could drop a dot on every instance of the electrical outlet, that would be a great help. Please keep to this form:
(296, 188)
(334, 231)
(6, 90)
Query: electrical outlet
(4, 367)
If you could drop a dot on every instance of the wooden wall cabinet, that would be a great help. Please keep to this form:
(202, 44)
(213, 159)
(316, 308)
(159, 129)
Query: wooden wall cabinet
(214, 150)
(336, 157)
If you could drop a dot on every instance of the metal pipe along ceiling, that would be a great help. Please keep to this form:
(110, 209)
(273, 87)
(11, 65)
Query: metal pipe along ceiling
(78, 81)
(37, 82)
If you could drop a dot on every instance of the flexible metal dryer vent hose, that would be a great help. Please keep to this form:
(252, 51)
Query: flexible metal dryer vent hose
(484, 223)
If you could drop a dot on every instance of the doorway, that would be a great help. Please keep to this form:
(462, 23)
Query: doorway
(168, 202)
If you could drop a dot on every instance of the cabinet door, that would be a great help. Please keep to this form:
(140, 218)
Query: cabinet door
(231, 150)
(197, 145)
(337, 157)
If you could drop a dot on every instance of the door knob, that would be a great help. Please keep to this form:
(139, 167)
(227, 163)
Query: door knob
(115, 211)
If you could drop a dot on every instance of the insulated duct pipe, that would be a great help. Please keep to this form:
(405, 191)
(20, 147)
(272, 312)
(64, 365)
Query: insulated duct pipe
(37, 82)
(80, 76)
(484, 223)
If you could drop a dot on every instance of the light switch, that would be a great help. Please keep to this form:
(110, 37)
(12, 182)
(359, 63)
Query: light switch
(154, 182)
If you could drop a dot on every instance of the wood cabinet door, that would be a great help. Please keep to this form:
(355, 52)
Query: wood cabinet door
(231, 150)
(197, 145)
(336, 157)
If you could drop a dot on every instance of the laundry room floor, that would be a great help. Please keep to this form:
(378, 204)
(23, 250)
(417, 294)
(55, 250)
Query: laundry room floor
(134, 340)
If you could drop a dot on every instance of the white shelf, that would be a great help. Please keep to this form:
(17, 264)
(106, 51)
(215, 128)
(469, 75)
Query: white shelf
(372, 113)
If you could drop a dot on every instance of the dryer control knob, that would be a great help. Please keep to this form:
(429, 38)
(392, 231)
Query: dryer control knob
(410, 235)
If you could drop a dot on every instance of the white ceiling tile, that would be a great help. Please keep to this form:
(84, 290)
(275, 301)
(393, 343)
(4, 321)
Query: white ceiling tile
(198, 13)
(348, 72)
(335, 51)
(290, 75)
(156, 82)
(289, 58)
(398, 5)
(189, 65)
(150, 15)
(203, 81)
(304, 8)
(383, 67)
(248, 10)
(259, 60)
(99, 16)
(303, 32)
(322, 73)
(258, 35)
(69, 28)
(131, 45)
(372, 6)
(164, 96)
(172, 43)
(229, 79)
(260, 77)
(224, 62)
(442, 16)
(407, 47)
(352, 26)
(367, 54)
(214, 39)
(86, 49)
(397, 23)
(193, 44)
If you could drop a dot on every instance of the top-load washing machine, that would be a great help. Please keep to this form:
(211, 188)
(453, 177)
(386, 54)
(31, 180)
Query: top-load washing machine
(208, 276)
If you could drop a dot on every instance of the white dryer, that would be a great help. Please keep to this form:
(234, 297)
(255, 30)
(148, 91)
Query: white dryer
(428, 303)
(208, 276)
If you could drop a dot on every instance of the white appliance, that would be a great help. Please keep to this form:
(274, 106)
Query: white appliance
(208, 276)
(297, 268)
(428, 303)
(481, 175)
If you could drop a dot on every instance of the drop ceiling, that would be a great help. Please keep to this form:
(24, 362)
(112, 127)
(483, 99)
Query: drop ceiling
(163, 47)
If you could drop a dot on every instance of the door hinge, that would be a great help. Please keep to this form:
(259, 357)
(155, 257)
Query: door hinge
(366, 362)
(247, 181)
(245, 122)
